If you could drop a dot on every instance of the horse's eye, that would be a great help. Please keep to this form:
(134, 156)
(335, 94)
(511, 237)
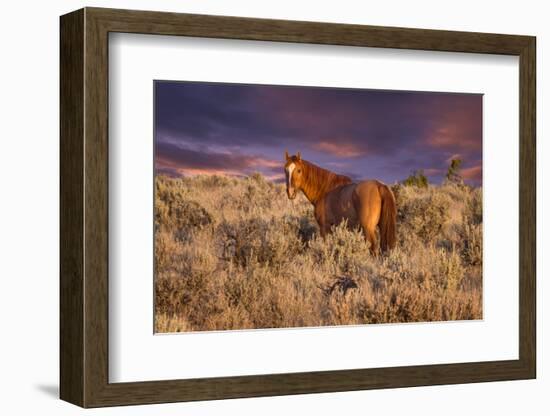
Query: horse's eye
(299, 170)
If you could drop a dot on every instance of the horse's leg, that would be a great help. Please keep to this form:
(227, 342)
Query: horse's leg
(368, 206)
(370, 233)
(368, 224)
(324, 227)
(320, 216)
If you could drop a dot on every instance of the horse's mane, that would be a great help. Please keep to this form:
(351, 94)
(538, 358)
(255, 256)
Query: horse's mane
(319, 181)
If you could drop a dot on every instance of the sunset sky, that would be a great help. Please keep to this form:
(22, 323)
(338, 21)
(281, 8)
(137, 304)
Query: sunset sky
(238, 129)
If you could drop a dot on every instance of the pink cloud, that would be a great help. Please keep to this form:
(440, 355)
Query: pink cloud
(433, 171)
(339, 149)
(453, 137)
(177, 160)
(472, 173)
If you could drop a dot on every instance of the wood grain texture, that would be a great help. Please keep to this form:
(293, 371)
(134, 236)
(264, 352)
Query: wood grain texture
(527, 208)
(163, 23)
(84, 207)
(96, 208)
(71, 213)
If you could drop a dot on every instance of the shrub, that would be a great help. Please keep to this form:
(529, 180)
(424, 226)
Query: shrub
(453, 172)
(417, 178)
(212, 181)
(343, 251)
(188, 214)
(166, 247)
(175, 211)
(449, 269)
(272, 241)
(307, 228)
(423, 214)
(475, 207)
(472, 243)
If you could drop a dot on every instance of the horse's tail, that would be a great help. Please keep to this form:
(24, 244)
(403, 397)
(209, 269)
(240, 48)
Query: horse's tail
(388, 216)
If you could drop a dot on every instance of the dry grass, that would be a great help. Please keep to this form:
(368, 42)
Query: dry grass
(237, 254)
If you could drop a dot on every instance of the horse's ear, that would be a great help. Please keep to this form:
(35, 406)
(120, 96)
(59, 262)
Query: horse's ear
(298, 156)
(286, 155)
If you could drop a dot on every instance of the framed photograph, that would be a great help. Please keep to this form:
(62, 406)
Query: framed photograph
(255, 207)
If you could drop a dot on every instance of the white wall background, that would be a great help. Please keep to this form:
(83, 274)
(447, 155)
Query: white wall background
(29, 207)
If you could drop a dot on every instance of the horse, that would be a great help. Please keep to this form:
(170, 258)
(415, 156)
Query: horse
(336, 198)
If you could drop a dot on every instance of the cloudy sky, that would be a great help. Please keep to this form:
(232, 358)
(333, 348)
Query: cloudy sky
(236, 129)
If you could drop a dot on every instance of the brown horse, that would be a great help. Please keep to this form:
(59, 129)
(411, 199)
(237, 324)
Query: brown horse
(335, 198)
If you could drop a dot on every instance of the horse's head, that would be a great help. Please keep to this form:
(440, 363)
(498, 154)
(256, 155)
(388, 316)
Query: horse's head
(294, 173)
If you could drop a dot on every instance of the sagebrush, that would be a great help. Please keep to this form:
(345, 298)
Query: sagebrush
(235, 253)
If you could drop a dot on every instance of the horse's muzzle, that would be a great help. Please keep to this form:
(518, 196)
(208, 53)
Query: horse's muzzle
(291, 193)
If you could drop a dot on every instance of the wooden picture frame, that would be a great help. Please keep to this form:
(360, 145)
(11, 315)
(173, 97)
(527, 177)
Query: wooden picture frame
(84, 207)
